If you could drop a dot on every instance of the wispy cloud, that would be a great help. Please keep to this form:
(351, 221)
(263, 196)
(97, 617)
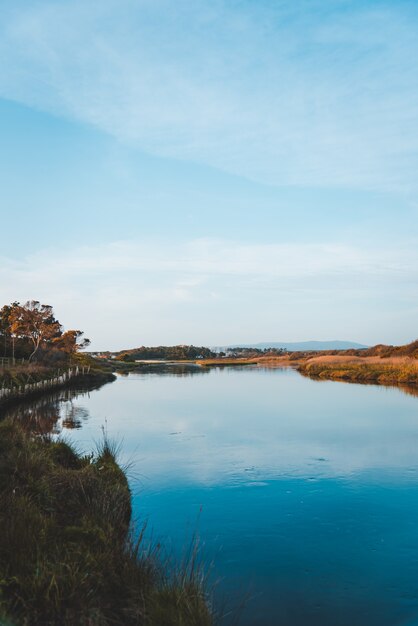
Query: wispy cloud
(214, 257)
(180, 292)
(283, 93)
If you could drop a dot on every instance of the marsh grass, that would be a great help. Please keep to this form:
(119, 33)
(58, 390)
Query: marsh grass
(392, 370)
(67, 550)
(17, 375)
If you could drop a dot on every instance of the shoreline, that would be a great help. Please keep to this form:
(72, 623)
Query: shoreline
(69, 554)
(373, 370)
(385, 371)
(90, 380)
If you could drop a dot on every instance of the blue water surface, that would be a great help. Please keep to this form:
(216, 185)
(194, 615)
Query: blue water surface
(304, 494)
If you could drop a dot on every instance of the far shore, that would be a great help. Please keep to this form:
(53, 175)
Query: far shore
(350, 368)
(387, 371)
(344, 366)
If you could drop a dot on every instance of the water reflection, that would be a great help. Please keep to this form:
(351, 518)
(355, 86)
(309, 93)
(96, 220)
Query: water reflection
(59, 410)
(52, 412)
(409, 389)
(167, 369)
(306, 492)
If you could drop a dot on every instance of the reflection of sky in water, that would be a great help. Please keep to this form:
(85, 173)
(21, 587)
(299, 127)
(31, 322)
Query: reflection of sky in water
(251, 425)
(308, 490)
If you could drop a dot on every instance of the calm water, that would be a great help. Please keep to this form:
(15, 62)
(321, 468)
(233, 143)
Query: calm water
(304, 493)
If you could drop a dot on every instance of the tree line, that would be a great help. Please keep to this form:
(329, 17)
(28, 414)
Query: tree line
(166, 353)
(243, 352)
(31, 331)
(185, 352)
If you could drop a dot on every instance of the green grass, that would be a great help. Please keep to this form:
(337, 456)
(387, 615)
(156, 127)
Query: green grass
(67, 554)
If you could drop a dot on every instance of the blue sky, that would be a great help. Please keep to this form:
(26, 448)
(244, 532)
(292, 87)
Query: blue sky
(212, 172)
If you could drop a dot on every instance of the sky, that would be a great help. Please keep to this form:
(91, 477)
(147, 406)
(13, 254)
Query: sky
(212, 171)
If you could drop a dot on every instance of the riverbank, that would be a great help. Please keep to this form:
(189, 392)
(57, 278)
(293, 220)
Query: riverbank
(27, 382)
(391, 370)
(226, 362)
(67, 553)
(386, 371)
(288, 360)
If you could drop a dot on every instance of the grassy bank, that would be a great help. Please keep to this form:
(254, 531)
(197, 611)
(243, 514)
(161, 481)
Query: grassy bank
(20, 375)
(389, 371)
(22, 381)
(66, 552)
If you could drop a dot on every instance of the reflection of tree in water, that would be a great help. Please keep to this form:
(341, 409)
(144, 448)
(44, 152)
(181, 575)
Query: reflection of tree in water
(72, 415)
(169, 369)
(51, 413)
(40, 416)
(56, 411)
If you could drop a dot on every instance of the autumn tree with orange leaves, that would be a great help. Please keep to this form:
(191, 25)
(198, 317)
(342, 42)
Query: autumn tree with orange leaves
(71, 342)
(36, 322)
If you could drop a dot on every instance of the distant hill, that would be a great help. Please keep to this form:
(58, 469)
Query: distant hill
(302, 346)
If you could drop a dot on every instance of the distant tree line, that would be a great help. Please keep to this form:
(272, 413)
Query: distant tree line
(31, 331)
(167, 353)
(253, 352)
(182, 352)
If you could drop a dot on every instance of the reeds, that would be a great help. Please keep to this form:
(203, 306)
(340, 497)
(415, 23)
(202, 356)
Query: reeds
(67, 553)
(389, 371)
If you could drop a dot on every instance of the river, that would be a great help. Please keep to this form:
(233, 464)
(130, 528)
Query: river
(304, 494)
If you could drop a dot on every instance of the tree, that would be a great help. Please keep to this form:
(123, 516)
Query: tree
(5, 327)
(71, 342)
(35, 322)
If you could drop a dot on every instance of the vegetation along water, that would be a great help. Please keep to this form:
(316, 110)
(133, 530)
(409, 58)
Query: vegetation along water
(301, 491)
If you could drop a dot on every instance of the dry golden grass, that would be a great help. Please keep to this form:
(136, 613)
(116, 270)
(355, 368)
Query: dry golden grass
(391, 370)
(222, 362)
(330, 359)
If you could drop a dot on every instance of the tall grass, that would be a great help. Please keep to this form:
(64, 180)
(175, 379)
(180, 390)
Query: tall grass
(385, 371)
(67, 552)
(21, 374)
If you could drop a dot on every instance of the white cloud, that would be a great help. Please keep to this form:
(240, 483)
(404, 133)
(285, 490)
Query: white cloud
(279, 94)
(211, 291)
(211, 257)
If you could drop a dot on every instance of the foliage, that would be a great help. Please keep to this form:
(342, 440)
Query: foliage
(242, 352)
(34, 321)
(71, 342)
(31, 329)
(169, 353)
